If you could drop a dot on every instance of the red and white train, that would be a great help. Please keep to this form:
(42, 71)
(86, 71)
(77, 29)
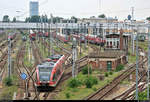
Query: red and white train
(49, 73)
(93, 39)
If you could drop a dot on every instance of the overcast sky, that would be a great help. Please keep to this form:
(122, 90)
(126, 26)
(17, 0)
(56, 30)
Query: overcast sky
(78, 8)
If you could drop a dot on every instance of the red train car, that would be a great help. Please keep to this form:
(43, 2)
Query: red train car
(79, 37)
(40, 34)
(46, 34)
(49, 73)
(63, 37)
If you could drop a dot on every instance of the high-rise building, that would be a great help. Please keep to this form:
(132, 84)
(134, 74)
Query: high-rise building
(34, 8)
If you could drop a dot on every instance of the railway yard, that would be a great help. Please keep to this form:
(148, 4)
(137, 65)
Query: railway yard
(53, 66)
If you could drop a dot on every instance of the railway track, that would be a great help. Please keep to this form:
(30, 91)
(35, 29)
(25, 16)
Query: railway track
(23, 68)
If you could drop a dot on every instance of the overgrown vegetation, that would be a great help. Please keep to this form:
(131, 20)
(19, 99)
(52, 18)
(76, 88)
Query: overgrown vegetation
(86, 85)
(10, 81)
(119, 67)
(106, 74)
(111, 73)
(74, 82)
(143, 95)
(67, 95)
(90, 81)
(85, 70)
(9, 88)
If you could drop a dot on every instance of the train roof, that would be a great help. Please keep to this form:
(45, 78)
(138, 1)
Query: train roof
(46, 64)
(50, 64)
(55, 56)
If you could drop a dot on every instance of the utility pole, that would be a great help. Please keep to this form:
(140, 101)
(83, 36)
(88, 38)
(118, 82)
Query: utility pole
(85, 31)
(132, 29)
(9, 56)
(88, 50)
(148, 62)
(137, 61)
(74, 54)
(51, 37)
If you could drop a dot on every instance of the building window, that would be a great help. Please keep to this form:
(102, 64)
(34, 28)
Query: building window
(117, 44)
(107, 43)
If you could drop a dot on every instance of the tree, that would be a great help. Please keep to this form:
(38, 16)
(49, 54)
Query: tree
(102, 16)
(35, 19)
(6, 18)
(14, 19)
(148, 18)
(76, 19)
(27, 19)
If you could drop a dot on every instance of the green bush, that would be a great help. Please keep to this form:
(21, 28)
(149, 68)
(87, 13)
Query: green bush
(67, 95)
(119, 67)
(94, 89)
(94, 80)
(8, 81)
(74, 82)
(85, 70)
(106, 74)
(111, 73)
(90, 81)
(143, 95)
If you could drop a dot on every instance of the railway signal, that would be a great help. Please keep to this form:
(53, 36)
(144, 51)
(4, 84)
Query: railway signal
(23, 76)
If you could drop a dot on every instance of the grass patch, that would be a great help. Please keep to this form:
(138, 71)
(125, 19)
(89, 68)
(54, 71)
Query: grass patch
(8, 90)
(125, 82)
(26, 56)
(119, 68)
(82, 91)
(7, 93)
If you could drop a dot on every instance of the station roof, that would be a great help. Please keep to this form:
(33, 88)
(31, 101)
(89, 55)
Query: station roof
(116, 35)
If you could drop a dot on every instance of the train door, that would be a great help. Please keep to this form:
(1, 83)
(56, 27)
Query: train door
(109, 65)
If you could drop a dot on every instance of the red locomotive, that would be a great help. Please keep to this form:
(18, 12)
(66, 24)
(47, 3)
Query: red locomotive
(32, 35)
(50, 72)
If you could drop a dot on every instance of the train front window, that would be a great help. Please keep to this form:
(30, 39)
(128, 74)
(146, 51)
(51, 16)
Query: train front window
(44, 73)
